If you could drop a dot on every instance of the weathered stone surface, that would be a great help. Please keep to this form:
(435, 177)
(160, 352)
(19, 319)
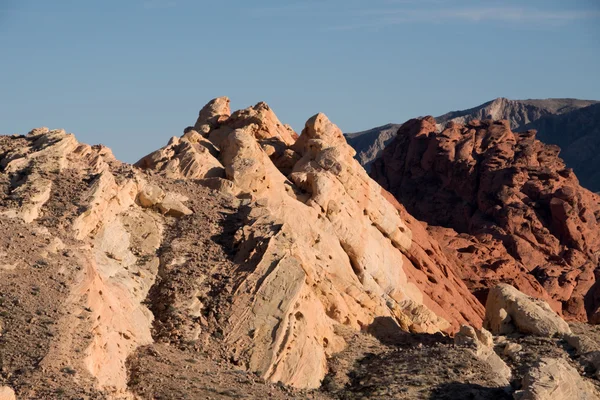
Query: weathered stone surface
(508, 310)
(505, 203)
(315, 248)
(150, 195)
(212, 114)
(173, 207)
(338, 243)
(554, 379)
(7, 393)
(512, 350)
(189, 157)
(571, 124)
(89, 212)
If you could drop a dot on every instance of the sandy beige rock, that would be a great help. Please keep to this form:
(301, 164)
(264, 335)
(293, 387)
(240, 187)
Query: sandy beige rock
(98, 227)
(7, 393)
(318, 247)
(46, 151)
(188, 157)
(216, 111)
(507, 309)
(150, 195)
(512, 350)
(555, 379)
(337, 247)
(265, 126)
(172, 206)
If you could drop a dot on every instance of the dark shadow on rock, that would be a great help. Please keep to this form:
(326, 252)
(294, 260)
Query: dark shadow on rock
(231, 223)
(469, 391)
(388, 332)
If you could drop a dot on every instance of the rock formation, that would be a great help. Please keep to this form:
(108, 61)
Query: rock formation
(481, 343)
(319, 247)
(519, 113)
(507, 310)
(554, 379)
(326, 247)
(505, 203)
(238, 256)
(571, 124)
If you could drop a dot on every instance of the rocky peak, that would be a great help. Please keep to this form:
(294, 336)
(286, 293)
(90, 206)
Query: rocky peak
(216, 111)
(505, 202)
(334, 238)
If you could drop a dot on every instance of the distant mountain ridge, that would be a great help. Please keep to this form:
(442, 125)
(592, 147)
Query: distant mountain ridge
(369, 144)
(572, 124)
(518, 112)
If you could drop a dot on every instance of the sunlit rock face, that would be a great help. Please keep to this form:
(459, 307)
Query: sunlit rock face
(311, 247)
(322, 244)
(506, 203)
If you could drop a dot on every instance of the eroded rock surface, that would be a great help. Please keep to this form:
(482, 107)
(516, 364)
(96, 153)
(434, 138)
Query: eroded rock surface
(241, 246)
(77, 205)
(507, 310)
(555, 379)
(505, 203)
(323, 245)
(310, 244)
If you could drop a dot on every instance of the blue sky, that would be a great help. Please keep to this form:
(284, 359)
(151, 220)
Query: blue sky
(132, 73)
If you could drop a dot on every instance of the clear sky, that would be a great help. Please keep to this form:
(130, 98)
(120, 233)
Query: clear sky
(132, 73)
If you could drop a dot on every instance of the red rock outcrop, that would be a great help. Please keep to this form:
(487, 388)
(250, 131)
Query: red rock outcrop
(505, 203)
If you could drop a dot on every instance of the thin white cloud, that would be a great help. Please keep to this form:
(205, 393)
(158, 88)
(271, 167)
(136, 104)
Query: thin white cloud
(393, 16)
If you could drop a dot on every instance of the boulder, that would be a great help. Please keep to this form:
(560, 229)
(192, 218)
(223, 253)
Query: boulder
(213, 113)
(508, 310)
(150, 195)
(173, 207)
(7, 393)
(512, 350)
(555, 379)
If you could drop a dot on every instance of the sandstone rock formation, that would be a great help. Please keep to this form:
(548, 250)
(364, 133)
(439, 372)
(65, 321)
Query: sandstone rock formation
(325, 246)
(83, 203)
(505, 203)
(239, 253)
(319, 247)
(571, 124)
(507, 310)
(7, 393)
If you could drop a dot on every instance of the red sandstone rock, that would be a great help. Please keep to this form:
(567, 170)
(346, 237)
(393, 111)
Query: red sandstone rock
(511, 210)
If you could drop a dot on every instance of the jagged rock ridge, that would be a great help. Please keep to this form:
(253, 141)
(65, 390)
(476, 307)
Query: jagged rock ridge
(506, 203)
(326, 247)
(571, 124)
(314, 247)
(241, 249)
